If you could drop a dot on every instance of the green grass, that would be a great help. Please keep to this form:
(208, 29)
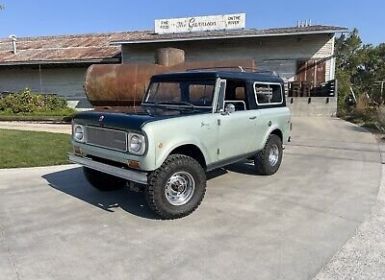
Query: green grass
(31, 148)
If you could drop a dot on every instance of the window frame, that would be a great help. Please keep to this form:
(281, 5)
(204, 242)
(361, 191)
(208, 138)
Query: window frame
(267, 104)
(157, 83)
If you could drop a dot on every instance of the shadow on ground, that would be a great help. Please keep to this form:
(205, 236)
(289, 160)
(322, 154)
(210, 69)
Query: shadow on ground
(73, 183)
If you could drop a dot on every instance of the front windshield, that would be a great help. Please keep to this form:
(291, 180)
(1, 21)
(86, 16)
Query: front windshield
(183, 92)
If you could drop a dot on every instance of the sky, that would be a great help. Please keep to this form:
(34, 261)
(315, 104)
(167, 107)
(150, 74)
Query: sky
(26, 18)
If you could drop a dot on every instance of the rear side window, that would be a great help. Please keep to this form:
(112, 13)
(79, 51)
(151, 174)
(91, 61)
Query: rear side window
(268, 94)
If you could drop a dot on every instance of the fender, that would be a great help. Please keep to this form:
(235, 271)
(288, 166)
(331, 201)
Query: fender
(167, 149)
(269, 132)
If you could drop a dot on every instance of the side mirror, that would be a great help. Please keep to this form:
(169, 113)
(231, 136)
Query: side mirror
(230, 108)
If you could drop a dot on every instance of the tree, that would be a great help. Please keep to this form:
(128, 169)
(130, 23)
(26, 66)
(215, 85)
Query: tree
(359, 67)
(347, 51)
(347, 60)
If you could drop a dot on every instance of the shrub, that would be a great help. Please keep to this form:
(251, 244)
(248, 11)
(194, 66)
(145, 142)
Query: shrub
(27, 102)
(381, 118)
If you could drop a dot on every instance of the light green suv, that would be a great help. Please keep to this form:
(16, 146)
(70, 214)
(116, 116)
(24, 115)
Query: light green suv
(189, 123)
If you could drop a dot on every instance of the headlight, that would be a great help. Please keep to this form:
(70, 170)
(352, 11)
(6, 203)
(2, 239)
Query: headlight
(78, 133)
(136, 144)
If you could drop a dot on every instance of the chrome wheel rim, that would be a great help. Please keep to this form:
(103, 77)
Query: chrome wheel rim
(273, 155)
(180, 188)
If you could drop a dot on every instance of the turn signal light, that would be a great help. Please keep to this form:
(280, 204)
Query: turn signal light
(133, 164)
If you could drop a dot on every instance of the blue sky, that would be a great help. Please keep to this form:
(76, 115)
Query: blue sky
(49, 17)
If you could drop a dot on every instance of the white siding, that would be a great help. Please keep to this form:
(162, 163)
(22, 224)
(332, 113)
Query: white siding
(279, 54)
(326, 49)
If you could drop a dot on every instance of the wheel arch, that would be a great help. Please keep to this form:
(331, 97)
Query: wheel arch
(193, 151)
(277, 132)
(274, 131)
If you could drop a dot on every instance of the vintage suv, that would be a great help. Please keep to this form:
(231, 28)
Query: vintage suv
(188, 124)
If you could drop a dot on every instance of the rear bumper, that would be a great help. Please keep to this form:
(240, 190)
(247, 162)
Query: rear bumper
(128, 174)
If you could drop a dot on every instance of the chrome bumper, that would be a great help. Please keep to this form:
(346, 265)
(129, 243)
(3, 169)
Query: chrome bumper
(130, 175)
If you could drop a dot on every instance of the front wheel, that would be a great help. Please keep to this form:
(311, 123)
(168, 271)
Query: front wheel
(177, 188)
(268, 161)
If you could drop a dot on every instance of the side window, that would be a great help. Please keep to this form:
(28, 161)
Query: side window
(268, 94)
(236, 95)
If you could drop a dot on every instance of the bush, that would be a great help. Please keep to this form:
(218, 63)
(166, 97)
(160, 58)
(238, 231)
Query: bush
(343, 91)
(381, 118)
(26, 102)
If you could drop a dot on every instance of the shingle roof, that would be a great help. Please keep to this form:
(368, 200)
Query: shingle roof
(104, 47)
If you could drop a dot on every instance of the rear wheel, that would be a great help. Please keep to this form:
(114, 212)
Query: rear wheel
(102, 181)
(177, 188)
(268, 161)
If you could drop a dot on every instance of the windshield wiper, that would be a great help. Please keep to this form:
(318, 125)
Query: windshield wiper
(178, 103)
(170, 105)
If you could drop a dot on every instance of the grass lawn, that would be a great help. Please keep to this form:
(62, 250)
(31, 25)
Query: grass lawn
(30, 148)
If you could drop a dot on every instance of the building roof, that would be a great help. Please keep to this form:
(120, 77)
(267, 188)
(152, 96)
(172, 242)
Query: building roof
(228, 34)
(85, 48)
(104, 47)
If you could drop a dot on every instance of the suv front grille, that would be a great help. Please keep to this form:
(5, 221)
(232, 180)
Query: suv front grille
(107, 138)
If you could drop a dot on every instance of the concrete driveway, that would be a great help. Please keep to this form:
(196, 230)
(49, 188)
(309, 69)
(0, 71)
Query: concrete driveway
(53, 225)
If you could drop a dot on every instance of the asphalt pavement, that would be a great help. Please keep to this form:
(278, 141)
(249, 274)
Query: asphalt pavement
(292, 225)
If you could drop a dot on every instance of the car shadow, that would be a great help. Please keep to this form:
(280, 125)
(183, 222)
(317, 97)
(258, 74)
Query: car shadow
(244, 167)
(73, 182)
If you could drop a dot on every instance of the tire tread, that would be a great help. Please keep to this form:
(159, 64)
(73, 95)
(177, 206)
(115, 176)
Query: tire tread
(155, 177)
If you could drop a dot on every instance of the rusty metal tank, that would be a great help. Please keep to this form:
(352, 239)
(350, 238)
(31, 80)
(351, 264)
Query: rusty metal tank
(117, 85)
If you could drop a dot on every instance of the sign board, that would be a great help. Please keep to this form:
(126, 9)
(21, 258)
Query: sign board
(206, 23)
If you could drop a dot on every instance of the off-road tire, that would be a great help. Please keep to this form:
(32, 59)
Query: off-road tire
(155, 191)
(262, 164)
(103, 182)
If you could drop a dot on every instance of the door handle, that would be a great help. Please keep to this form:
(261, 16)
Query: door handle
(252, 118)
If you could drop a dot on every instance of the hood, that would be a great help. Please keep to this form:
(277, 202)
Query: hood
(121, 121)
(129, 120)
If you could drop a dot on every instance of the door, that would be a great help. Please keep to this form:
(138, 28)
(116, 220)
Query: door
(236, 134)
(236, 122)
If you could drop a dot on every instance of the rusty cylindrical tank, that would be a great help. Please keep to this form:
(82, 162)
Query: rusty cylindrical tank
(125, 84)
(169, 56)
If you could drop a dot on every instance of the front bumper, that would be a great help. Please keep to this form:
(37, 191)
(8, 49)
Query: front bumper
(130, 175)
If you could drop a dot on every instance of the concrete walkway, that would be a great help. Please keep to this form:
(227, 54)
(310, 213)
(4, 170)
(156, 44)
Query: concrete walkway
(363, 256)
(54, 225)
(37, 126)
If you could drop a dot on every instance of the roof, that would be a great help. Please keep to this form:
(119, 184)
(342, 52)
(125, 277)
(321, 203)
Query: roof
(85, 48)
(225, 74)
(228, 34)
(105, 47)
